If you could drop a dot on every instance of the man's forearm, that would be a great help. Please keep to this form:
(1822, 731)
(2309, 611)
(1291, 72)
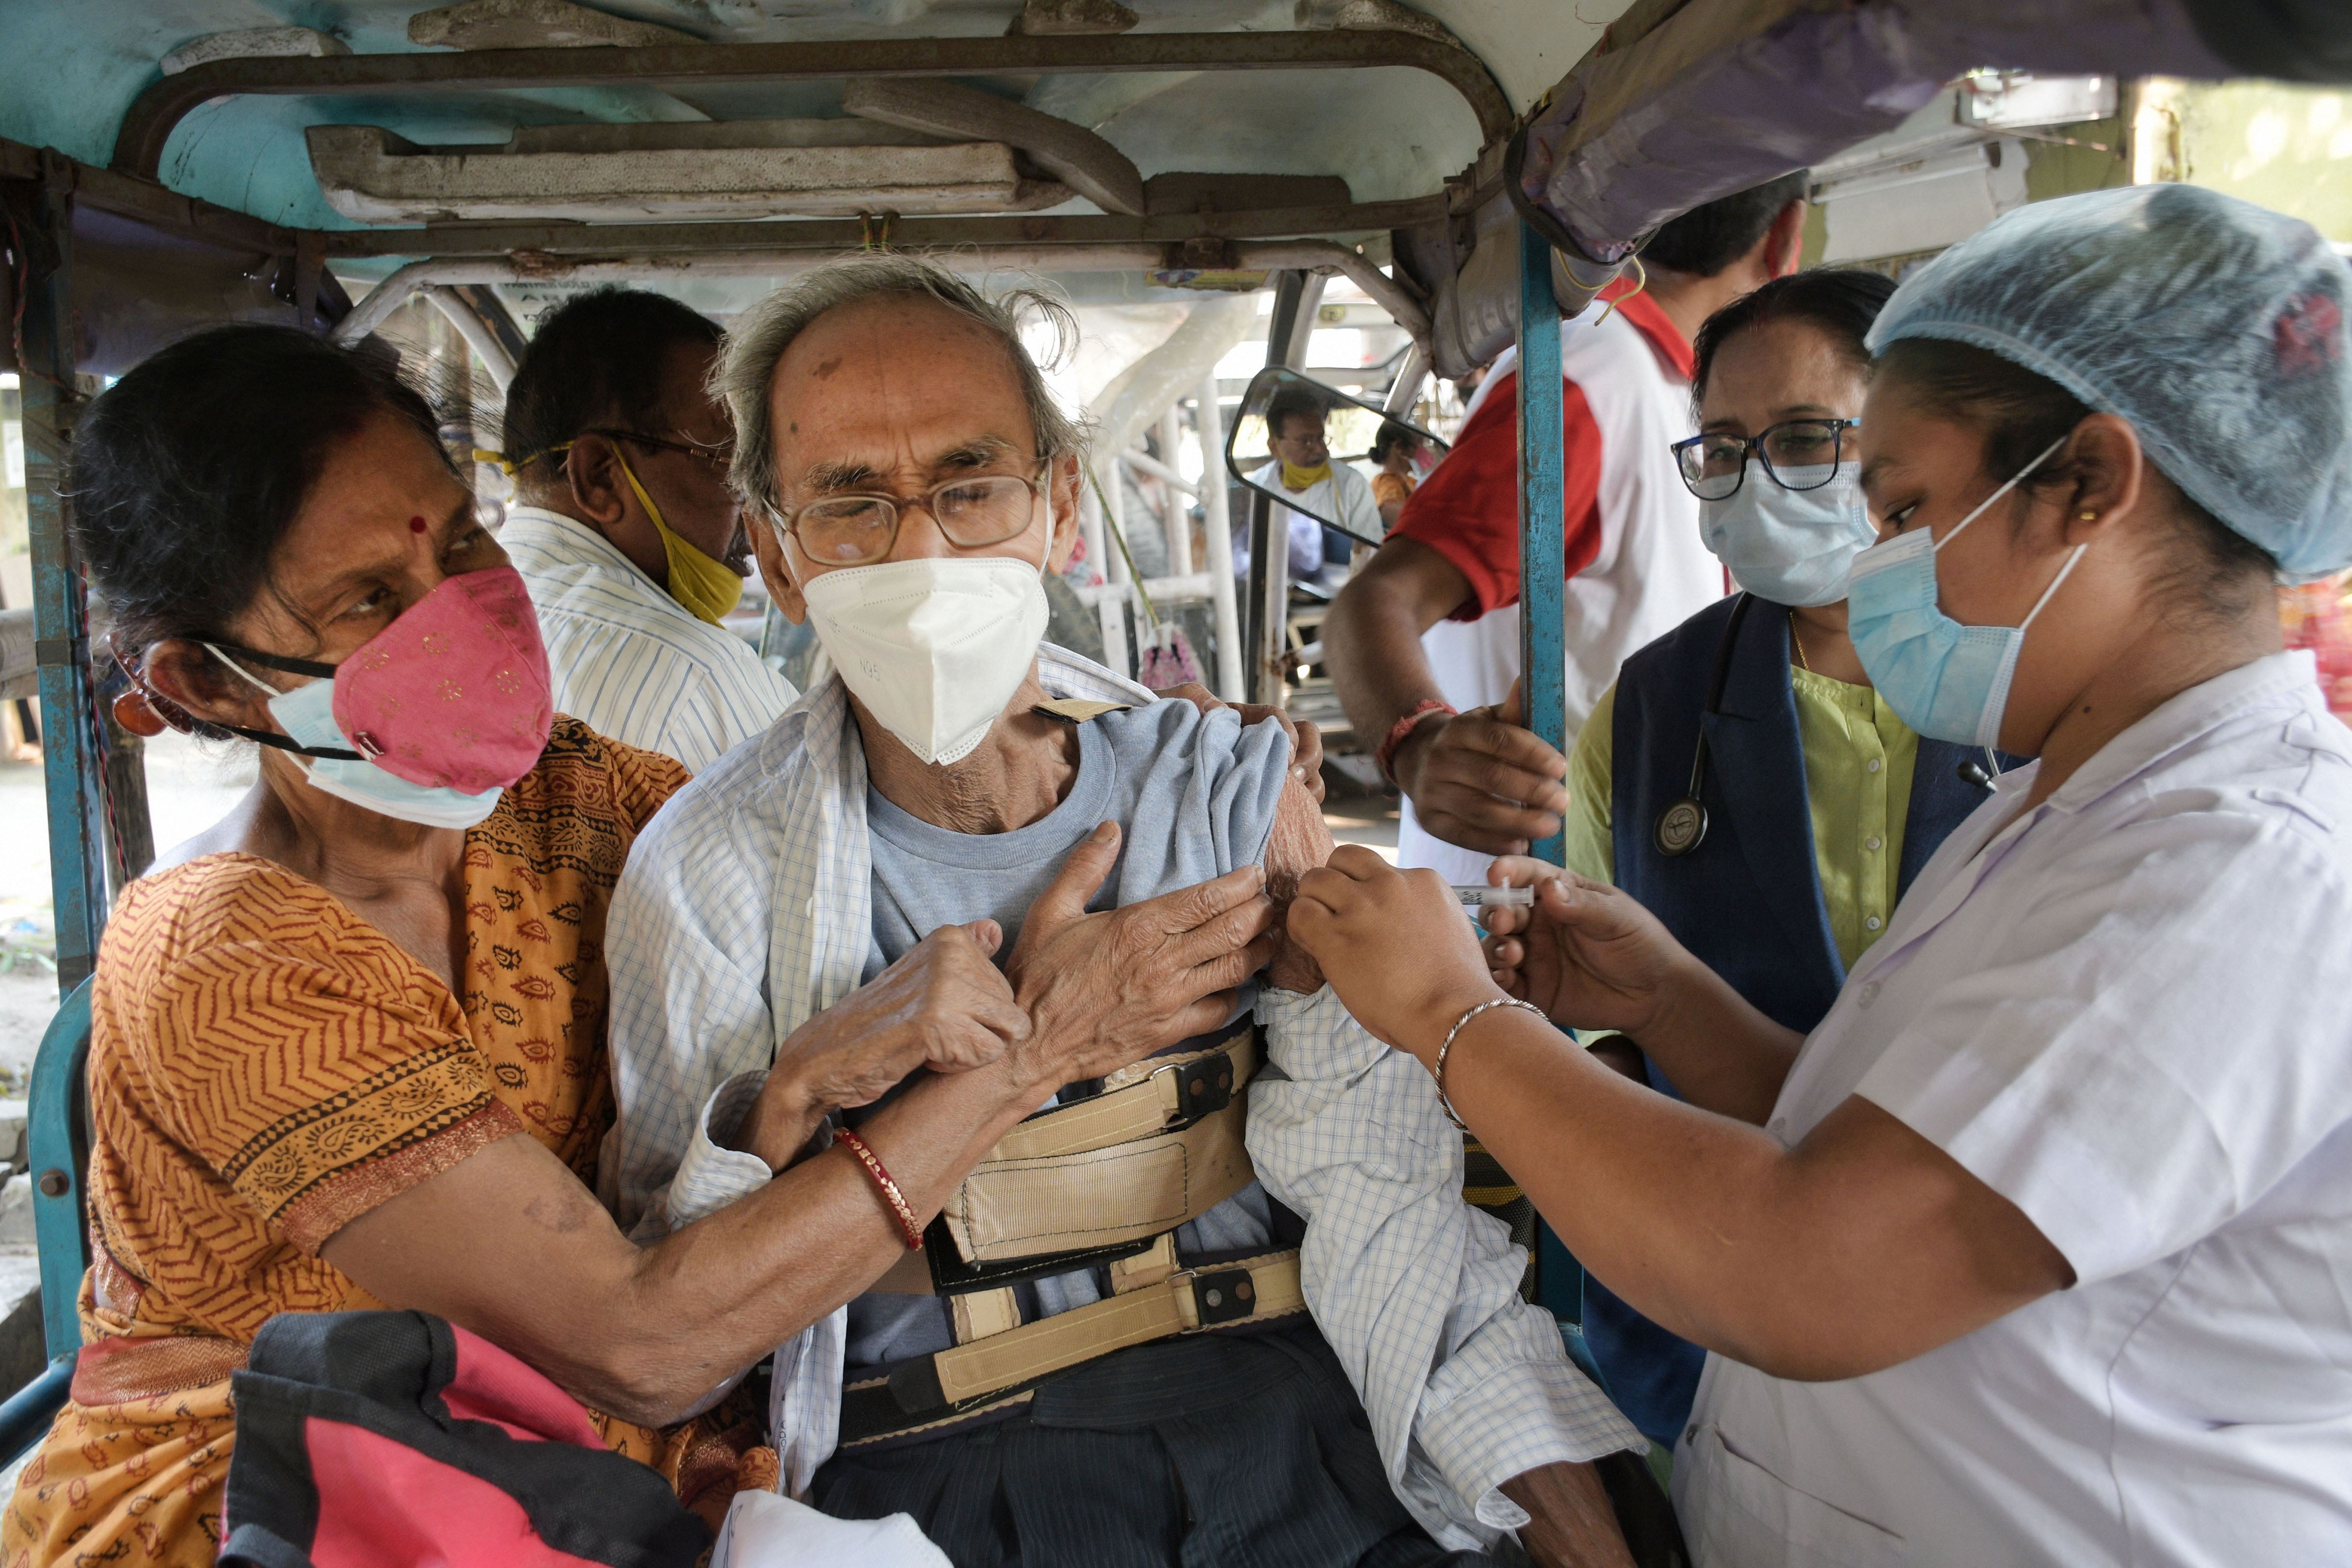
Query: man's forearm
(1571, 1522)
(1371, 638)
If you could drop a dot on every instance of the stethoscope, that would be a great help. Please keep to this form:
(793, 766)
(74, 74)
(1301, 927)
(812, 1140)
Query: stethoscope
(1681, 827)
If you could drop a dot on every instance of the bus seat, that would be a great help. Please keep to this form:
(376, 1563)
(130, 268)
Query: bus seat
(56, 1138)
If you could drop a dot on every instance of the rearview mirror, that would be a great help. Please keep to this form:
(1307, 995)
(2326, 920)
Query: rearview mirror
(1279, 405)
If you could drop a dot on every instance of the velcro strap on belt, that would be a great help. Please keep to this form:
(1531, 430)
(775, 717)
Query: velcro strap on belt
(1174, 1094)
(1116, 1168)
(935, 1388)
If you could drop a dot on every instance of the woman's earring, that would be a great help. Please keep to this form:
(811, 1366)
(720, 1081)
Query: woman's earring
(2090, 516)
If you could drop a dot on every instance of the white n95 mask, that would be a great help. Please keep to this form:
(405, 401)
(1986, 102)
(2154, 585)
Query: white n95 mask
(935, 647)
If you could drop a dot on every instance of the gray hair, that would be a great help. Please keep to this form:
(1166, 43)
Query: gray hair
(765, 332)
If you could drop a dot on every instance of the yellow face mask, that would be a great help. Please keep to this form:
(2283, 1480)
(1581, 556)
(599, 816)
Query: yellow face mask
(1299, 478)
(709, 588)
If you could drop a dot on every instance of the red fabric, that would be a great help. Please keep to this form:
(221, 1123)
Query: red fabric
(1469, 509)
(494, 1386)
(1650, 321)
(382, 1502)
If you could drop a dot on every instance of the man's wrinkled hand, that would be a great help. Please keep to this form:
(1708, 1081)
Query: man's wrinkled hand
(944, 1006)
(1106, 989)
(1482, 780)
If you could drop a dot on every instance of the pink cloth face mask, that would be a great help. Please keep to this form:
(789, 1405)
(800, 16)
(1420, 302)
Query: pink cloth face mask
(442, 708)
(454, 693)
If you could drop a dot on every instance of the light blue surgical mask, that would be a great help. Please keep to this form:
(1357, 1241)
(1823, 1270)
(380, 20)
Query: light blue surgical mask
(307, 714)
(1791, 546)
(1948, 681)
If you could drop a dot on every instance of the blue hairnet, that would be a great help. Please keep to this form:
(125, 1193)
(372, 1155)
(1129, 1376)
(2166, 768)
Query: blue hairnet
(2218, 328)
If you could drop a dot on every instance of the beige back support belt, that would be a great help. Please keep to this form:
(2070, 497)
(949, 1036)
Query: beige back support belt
(931, 1390)
(1121, 1167)
(1077, 709)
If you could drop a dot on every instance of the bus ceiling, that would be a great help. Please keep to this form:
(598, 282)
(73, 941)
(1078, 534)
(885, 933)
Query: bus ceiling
(498, 140)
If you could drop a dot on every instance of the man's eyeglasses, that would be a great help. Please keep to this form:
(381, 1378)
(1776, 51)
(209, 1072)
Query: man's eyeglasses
(717, 458)
(1800, 455)
(975, 513)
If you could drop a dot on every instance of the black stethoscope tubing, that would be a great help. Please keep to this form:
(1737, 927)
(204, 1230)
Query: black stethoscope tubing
(1681, 827)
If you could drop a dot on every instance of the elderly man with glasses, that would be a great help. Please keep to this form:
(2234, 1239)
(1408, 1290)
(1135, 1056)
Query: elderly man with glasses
(1129, 1327)
(624, 530)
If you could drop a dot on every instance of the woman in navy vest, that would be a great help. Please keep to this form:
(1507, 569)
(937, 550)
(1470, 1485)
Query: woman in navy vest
(1742, 779)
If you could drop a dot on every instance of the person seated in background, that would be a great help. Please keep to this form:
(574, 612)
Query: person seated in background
(624, 530)
(1327, 492)
(1097, 1348)
(1398, 451)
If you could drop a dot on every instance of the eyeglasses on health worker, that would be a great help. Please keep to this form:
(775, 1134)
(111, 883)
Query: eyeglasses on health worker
(1742, 780)
(2033, 1250)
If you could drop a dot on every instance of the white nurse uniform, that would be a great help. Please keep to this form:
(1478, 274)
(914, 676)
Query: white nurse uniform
(2128, 1010)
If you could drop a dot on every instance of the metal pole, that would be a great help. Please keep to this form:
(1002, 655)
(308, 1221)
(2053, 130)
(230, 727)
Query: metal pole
(1411, 377)
(68, 723)
(1295, 299)
(1114, 498)
(1090, 528)
(1217, 524)
(1543, 647)
(1176, 512)
(1543, 578)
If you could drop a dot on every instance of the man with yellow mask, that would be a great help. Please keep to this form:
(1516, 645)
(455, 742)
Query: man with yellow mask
(624, 530)
(1327, 491)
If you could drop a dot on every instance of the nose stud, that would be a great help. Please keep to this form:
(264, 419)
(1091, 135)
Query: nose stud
(415, 525)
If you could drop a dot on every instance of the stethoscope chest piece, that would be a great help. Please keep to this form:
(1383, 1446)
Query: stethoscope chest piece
(1680, 828)
(1682, 824)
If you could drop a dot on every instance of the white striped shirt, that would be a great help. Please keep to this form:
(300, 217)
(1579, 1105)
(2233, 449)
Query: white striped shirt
(628, 660)
(746, 908)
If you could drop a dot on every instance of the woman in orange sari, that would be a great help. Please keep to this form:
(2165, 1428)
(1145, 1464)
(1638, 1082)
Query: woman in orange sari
(318, 1031)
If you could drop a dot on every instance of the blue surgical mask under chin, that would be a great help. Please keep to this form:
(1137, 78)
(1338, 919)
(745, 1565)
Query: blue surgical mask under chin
(1791, 546)
(1947, 681)
(307, 714)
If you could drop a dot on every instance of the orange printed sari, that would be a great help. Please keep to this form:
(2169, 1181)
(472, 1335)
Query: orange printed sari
(264, 1067)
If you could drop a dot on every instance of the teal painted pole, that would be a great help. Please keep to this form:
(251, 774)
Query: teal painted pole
(1543, 578)
(57, 1107)
(1543, 650)
(69, 726)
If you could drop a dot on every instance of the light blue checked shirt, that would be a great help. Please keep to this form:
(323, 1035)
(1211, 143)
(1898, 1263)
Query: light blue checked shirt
(627, 659)
(746, 908)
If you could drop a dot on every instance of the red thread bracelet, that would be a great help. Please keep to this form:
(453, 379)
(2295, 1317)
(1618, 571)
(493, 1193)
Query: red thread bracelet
(908, 1229)
(1385, 756)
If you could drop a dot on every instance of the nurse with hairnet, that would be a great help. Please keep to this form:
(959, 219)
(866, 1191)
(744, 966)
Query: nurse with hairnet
(2038, 1248)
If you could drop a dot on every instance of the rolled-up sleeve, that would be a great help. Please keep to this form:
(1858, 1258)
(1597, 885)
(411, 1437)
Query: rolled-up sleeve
(1466, 1384)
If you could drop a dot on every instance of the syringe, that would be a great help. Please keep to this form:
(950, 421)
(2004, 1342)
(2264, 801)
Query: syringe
(1478, 895)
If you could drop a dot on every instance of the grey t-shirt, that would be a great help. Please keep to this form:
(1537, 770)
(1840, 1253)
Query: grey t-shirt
(1195, 796)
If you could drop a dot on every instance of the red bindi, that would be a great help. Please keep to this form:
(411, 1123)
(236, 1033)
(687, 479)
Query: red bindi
(415, 525)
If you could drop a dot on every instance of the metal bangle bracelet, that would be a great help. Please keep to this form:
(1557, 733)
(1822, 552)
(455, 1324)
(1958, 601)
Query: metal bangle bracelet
(1437, 1069)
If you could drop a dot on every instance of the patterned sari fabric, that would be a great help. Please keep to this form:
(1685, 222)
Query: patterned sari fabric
(264, 1067)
